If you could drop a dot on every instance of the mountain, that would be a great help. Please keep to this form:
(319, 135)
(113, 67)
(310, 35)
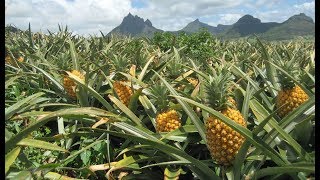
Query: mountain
(222, 28)
(135, 26)
(196, 25)
(248, 25)
(297, 25)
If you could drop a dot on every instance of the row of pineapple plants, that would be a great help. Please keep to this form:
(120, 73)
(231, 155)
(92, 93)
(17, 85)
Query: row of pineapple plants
(125, 108)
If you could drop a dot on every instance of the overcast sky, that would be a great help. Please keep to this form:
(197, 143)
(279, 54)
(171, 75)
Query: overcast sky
(89, 16)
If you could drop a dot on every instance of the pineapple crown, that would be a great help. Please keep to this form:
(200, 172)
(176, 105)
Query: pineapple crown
(159, 94)
(119, 63)
(292, 68)
(174, 68)
(217, 88)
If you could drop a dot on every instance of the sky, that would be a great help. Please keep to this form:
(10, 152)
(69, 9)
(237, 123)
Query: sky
(86, 17)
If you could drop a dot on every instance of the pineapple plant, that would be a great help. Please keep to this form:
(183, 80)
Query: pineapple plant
(291, 95)
(167, 119)
(123, 91)
(71, 86)
(223, 141)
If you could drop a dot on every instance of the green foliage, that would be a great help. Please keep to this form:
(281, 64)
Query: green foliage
(164, 40)
(197, 46)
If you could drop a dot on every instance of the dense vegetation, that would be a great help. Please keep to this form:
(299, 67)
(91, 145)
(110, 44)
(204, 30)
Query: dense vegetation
(138, 108)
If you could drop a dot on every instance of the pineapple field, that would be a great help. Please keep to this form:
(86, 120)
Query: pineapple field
(170, 107)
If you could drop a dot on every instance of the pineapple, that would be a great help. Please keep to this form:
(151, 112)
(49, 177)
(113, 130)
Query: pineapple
(291, 95)
(193, 81)
(124, 92)
(223, 141)
(20, 59)
(11, 61)
(232, 101)
(181, 87)
(69, 85)
(10, 56)
(8, 59)
(167, 119)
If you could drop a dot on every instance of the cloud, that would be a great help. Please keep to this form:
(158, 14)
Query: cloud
(267, 3)
(173, 15)
(90, 16)
(307, 7)
(177, 8)
(272, 16)
(80, 15)
(85, 15)
(19, 9)
(229, 18)
(280, 15)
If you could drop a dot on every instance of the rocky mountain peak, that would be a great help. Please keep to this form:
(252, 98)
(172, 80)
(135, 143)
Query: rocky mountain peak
(135, 26)
(148, 22)
(129, 19)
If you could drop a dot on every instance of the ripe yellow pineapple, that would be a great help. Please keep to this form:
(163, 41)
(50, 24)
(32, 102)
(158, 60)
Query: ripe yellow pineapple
(11, 61)
(223, 141)
(69, 85)
(120, 64)
(290, 96)
(167, 119)
(193, 81)
(124, 92)
(181, 87)
(8, 59)
(20, 59)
